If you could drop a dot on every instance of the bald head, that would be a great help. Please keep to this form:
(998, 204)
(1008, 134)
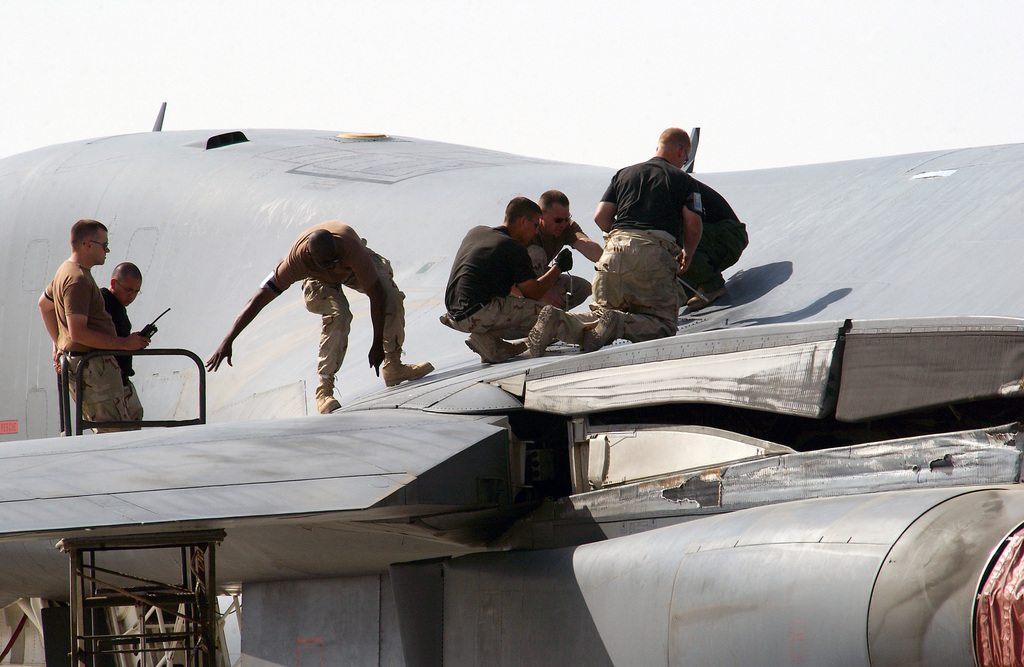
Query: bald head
(322, 247)
(674, 146)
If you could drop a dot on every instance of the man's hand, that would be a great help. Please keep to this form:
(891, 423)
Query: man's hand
(684, 262)
(223, 353)
(136, 342)
(563, 259)
(377, 356)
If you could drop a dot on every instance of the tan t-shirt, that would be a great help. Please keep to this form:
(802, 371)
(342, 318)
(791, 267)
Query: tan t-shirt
(299, 264)
(552, 244)
(74, 292)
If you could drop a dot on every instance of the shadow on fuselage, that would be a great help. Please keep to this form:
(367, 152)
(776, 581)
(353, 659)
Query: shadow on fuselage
(751, 284)
(798, 315)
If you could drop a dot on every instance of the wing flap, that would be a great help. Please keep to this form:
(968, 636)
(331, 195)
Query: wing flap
(334, 464)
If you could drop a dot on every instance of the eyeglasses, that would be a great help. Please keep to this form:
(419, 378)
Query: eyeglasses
(128, 289)
(559, 221)
(106, 245)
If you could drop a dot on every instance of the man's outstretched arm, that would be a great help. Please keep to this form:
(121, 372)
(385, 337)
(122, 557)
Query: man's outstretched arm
(259, 300)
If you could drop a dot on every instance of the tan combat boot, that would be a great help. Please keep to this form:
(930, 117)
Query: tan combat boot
(325, 401)
(604, 332)
(395, 372)
(543, 332)
(494, 350)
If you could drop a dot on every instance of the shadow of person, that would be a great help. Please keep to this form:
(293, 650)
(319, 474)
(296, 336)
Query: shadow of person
(751, 284)
(798, 315)
(745, 286)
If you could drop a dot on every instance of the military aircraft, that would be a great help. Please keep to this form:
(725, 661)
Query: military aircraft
(822, 467)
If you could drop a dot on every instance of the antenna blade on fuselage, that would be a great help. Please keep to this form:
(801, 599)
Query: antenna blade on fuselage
(159, 124)
(694, 140)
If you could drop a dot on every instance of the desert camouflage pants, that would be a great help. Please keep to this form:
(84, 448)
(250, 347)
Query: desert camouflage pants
(132, 402)
(636, 276)
(330, 303)
(102, 392)
(721, 245)
(504, 317)
(568, 291)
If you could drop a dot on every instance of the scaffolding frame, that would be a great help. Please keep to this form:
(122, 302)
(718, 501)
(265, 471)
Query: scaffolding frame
(192, 601)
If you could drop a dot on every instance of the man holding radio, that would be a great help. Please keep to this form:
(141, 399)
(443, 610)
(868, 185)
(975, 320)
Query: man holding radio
(125, 285)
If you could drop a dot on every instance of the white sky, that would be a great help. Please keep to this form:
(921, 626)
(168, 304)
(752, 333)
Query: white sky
(770, 83)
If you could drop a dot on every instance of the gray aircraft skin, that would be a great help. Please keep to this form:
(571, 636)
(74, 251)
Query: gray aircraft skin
(821, 468)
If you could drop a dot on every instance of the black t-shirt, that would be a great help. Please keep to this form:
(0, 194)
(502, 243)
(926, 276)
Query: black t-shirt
(488, 264)
(715, 207)
(123, 326)
(651, 196)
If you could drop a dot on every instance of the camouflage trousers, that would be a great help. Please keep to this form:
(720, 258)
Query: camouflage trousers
(503, 317)
(568, 291)
(330, 303)
(721, 245)
(636, 276)
(132, 402)
(103, 395)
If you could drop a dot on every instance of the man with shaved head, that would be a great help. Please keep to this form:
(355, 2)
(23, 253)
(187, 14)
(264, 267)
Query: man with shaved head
(326, 257)
(125, 285)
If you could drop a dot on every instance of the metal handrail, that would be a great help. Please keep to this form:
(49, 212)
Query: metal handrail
(64, 389)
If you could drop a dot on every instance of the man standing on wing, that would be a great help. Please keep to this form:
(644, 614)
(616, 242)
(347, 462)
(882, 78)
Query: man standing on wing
(326, 257)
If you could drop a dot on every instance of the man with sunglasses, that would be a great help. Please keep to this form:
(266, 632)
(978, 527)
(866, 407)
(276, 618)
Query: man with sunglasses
(326, 257)
(558, 230)
(125, 285)
(77, 321)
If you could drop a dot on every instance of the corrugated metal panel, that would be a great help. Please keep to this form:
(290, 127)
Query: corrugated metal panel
(789, 379)
(892, 368)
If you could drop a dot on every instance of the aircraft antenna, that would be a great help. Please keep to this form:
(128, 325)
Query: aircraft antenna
(694, 140)
(159, 124)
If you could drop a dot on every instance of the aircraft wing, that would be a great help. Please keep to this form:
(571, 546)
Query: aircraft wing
(277, 468)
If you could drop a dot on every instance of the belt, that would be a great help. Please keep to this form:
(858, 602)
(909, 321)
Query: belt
(472, 310)
(78, 354)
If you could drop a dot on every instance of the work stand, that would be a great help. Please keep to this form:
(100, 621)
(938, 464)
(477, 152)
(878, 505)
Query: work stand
(175, 623)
